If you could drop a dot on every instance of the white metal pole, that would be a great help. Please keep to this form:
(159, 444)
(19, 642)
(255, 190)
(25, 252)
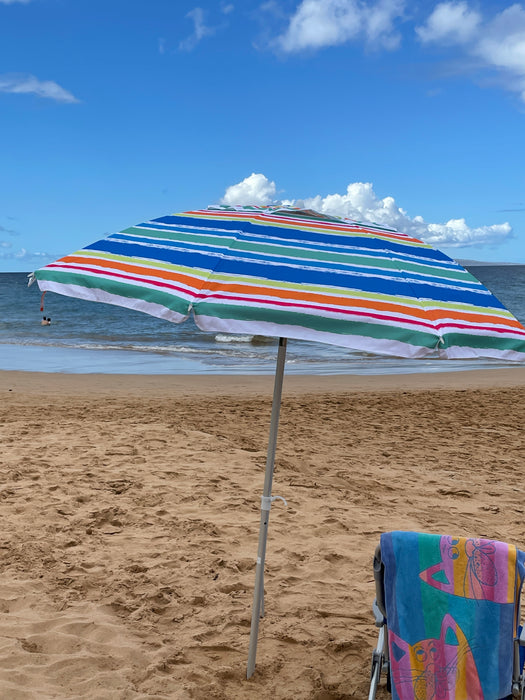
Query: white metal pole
(258, 593)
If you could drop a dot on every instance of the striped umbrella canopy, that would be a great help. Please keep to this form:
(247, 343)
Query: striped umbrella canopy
(286, 272)
(292, 273)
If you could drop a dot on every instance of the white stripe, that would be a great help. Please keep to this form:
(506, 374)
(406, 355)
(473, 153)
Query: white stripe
(80, 292)
(460, 353)
(354, 342)
(146, 281)
(310, 265)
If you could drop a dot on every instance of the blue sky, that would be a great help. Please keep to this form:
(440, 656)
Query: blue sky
(410, 114)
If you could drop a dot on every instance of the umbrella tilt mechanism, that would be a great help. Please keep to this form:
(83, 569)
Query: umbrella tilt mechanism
(266, 504)
(266, 501)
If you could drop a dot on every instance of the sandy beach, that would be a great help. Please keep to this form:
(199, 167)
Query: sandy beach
(130, 517)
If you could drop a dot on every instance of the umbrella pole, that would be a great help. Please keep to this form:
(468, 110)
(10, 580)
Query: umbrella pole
(258, 593)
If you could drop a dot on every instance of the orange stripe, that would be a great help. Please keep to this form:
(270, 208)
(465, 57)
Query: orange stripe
(294, 295)
(140, 270)
(392, 307)
(308, 223)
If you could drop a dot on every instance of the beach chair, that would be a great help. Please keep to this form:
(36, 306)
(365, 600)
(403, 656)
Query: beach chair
(448, 612)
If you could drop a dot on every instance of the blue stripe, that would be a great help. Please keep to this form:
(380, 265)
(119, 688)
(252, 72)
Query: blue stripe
(194, 230)
(355, 245)
(298, 275)
(290, 234)
(182, 246)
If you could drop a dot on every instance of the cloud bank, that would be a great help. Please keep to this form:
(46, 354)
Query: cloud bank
(28, 84)
(320, 23)
(361, 203)
(23, 255)
(494, 43)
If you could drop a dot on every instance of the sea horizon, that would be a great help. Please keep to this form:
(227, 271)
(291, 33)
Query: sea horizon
(86, 337)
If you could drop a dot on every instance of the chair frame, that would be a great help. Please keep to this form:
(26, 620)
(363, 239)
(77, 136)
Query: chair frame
(380, 656)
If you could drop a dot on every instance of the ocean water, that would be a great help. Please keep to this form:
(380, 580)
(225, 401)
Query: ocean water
(86, 337)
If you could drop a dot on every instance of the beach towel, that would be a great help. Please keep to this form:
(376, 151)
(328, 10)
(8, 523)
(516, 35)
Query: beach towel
(451, 608)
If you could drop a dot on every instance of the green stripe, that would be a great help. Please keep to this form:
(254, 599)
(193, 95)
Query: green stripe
(496, 342)
(429, 553)
(246, 313)
(304, 254)
(308, 214)
(372, 233)
(273, 285)
(123, 289)
(316, 323)
(159, 234)
(261, 314)
(141, 262)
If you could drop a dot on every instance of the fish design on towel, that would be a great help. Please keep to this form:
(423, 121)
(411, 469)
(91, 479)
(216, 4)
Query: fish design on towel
(435, 669)
(473, 568)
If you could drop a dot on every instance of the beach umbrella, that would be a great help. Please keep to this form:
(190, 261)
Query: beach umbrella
(292, 273)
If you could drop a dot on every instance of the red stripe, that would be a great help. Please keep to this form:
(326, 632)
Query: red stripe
(328, 309)
(369, 314)
(324, 226)
(275, 302)
(251, 300)
(509, 329)
(107, 273)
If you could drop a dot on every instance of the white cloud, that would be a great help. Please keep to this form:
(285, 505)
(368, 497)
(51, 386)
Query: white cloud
(200, 30)
(28, 84)
(492, 43)
(503, 45)
(361, 203)
(255, 189)
(450, 22)
(320, 23)
(455, 233)
(12, 2)
(23, 254)
(497, 43)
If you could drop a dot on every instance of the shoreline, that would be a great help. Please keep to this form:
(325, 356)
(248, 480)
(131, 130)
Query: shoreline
(243, 385)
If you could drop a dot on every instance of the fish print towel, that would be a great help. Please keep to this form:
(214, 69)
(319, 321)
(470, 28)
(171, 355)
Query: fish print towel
(451, 606)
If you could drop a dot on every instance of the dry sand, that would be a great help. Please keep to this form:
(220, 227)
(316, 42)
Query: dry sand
(130, 515)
